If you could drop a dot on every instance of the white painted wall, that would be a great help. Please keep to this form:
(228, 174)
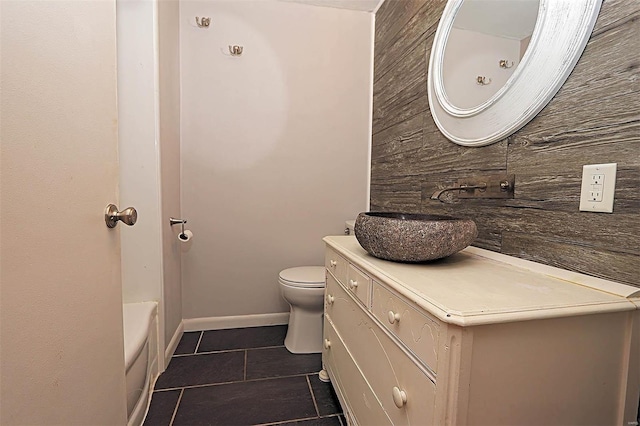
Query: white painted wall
(364, 5)
(470, 54)
(149, 138)
(138, 149)
(169, 80)
(274, 145)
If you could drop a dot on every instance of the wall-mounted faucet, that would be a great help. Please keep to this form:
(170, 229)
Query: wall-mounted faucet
(436, 195)
(494, 186)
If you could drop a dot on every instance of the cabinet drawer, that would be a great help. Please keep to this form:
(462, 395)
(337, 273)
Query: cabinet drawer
(404, 390)
(416, 330)
(336, 264)
(357, 396)
(340, 306)
(381, 361)
(359, 284)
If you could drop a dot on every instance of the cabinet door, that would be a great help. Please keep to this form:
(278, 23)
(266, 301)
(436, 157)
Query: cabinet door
(404, 390)
(355, 393)
(359, 284)
(336, 264)
(416, 330)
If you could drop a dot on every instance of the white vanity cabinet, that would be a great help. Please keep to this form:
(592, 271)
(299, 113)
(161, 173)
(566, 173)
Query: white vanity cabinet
(478, 338)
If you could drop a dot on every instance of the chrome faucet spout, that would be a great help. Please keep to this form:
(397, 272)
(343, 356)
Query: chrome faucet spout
(436, 195)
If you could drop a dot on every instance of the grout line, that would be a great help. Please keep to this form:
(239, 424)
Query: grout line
(297, 420)
(165, 390)
(175, 410)
(313, 397)
(210, 353)
(199, 340)
(226, 350)
(261, 379)
(244, 376)
(340, 420)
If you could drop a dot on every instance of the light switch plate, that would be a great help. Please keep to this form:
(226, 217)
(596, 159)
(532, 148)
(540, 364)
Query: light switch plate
(598, 187)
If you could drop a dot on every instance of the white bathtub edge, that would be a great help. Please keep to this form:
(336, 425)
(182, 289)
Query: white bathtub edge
(235, 321)
(145, 312)
(139, 413)
(137, 320)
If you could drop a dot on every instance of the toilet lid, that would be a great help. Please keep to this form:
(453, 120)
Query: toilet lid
(304, 276)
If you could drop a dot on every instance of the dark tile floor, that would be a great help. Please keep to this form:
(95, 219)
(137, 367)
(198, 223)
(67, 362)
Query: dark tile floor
(242, 376)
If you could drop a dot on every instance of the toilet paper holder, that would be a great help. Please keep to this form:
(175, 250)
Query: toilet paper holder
(181, 222)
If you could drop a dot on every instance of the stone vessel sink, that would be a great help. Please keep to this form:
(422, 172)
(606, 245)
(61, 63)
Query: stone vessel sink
(403, 237)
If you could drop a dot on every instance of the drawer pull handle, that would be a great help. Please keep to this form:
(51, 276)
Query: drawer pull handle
(333, 263)
(327, 343)
(353, 284)
(393, 317)
(399, 397)
(330, 299)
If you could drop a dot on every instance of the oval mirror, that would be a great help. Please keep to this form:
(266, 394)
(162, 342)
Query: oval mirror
(486, 43)
(495, 64)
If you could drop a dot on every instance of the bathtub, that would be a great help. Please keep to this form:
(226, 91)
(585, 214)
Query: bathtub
(141, 357)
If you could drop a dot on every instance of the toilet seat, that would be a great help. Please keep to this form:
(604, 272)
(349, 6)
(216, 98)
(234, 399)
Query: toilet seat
(303, 276)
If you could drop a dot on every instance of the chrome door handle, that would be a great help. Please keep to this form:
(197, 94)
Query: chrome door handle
(128, 216)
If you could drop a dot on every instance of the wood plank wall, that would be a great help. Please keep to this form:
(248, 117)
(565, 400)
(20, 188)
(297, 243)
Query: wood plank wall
(595, 118)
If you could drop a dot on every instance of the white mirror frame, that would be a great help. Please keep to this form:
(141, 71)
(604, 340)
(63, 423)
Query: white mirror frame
(559, 37)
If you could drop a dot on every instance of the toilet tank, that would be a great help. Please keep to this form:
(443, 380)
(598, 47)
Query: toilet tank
(349, 225)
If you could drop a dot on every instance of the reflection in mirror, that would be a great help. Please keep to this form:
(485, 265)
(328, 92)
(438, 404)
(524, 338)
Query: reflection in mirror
(515, 85)
(484, 33)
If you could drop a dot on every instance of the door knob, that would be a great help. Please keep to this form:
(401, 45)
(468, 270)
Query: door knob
(128, 216)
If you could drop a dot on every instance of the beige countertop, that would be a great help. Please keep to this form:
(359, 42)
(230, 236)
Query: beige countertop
(477, 286)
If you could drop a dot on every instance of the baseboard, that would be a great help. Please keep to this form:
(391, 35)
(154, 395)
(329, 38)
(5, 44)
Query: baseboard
(173, 344)
(236, 321)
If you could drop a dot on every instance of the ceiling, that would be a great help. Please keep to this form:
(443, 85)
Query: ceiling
(361, 5)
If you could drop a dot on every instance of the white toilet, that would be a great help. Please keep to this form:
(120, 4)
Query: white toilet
(303, 289)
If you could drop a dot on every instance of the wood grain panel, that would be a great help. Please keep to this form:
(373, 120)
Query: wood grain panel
(606, 85)
(441, 155)
(613, 232)
(583, 257)
(394, 167)
(417, 103)
(462, 161)
(615, 10)
(402, 198)
(421, 27)
(392, 17)
(594, 118)
(400, 87)
(562, 191)
(391, 146)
